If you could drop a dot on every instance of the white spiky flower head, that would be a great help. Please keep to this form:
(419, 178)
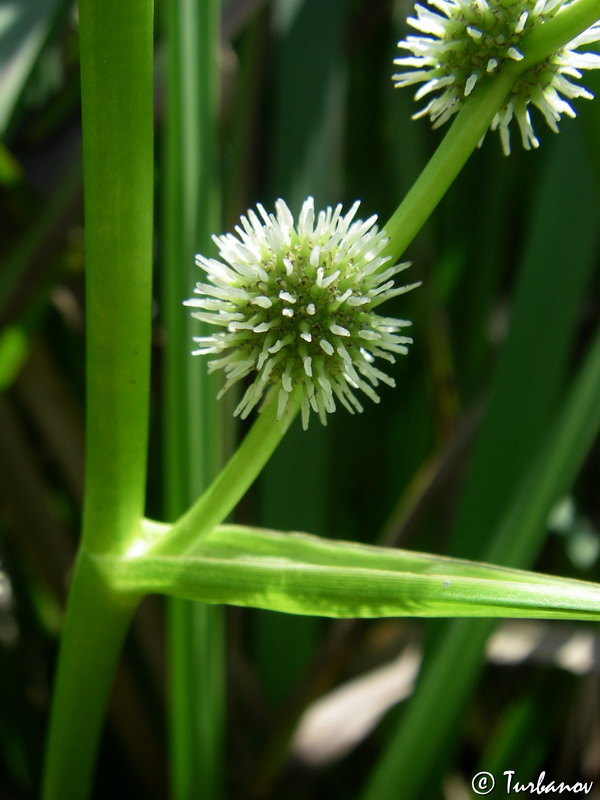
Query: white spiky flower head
(294, 304)
(470, 40)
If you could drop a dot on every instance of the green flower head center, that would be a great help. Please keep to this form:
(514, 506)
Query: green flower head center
(298, 308)
(480, 38)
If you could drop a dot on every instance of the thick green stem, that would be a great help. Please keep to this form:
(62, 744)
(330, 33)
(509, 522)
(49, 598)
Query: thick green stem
(474, 119)
(117, 108)
(116, 86)
(96, 623)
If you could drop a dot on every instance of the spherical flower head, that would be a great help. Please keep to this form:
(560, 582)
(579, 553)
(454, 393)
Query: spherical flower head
(470, 40)
(294, 305)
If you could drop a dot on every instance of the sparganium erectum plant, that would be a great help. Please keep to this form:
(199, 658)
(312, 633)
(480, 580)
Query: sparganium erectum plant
(295, 305)
(470, 40)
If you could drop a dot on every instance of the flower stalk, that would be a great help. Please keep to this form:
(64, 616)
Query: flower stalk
(230, 485)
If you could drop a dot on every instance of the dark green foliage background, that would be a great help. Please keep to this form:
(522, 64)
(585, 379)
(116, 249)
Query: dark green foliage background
(508, 303)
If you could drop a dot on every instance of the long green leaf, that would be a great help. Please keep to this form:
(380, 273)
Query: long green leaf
(510, 493)
(302, 574)
(191, 427)
(25, 28)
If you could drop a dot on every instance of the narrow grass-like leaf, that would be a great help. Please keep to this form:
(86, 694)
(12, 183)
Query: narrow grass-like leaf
(13, 352)
(191, 428)
(517, 742)
(37, 241)
(24, 30)
(302, 574)
(590, 120)
(556, 267)
(518, 537)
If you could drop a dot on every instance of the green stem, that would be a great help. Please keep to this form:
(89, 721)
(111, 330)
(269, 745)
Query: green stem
(95, 625)
(232, 482)
(117, 94)
(116, 86)
(447, 161)
(473, 121)
(557, 32)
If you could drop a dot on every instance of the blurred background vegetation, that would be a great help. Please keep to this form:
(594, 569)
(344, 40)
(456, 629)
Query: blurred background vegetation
(509, 301)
